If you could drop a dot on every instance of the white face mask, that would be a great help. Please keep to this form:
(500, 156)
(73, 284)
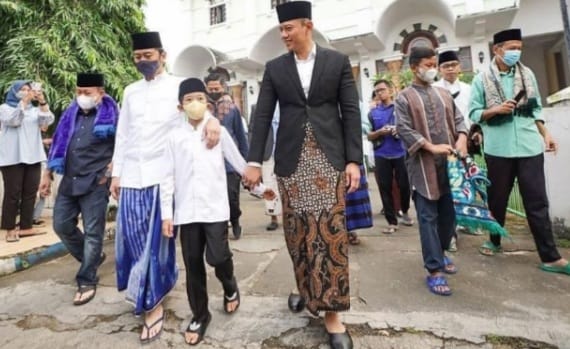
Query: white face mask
(195, 110)
(86, 102)
(21, 94)
(427, 75)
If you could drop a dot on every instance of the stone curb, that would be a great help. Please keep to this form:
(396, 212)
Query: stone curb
(25, 260)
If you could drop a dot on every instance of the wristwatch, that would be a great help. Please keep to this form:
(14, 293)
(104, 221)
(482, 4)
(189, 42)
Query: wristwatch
(108, 174)
(44, 103)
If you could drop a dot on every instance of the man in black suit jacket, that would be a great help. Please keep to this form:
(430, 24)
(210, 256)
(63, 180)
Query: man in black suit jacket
(319, 104)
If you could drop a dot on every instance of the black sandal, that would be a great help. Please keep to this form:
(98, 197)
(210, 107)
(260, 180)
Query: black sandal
(233, 298)
(199, 328)
(150, 338)
(82, 290)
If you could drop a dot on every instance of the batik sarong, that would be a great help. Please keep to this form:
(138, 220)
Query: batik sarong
(145, 259)
(314, 224)
(469, 192)
(358, 209)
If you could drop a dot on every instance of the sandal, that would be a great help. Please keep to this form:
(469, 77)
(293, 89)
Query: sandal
(233, 298)
(12, 236)
(556, 268)
(448, 266)
(434, 283)
(490, 249)
(390, 230)
(32, 233)
(82, 290)
(353, 239)
(199, 328)
(148, 338)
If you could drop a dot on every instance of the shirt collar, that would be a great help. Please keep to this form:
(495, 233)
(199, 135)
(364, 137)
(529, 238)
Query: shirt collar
(311, 56)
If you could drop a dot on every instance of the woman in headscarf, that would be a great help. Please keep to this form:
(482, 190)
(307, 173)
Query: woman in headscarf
(21, 155)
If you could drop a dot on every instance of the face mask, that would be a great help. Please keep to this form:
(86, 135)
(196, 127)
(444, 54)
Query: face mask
(85, 102)
(21, 94)
(147, 68)
(195, 110)
(511, 57)
(215, 95)
(427, 75)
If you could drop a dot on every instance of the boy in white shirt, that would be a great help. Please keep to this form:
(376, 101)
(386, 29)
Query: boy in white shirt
(195, 178)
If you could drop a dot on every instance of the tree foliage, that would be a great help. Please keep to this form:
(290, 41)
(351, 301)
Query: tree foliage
(50, 41)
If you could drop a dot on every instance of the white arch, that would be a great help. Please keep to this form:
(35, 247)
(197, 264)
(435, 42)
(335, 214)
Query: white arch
(393, 14)
(195, 60)
(269, 45)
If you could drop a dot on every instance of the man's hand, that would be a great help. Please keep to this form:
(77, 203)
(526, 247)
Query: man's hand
(251, 176)
(212, 132)
(550, 143)
(440, 149)
(167, 228)
(45, 186)
(461, 145)
(505, 108)
(115, 187)
(352, 173)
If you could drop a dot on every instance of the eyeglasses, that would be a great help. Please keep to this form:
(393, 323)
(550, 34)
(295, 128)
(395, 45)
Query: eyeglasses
(449, 65)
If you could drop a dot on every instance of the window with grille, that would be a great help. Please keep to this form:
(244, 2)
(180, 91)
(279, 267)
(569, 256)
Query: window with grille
(275, 3)
(217, 12)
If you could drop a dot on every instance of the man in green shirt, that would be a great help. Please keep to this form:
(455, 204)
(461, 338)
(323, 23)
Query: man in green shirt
(505, 101)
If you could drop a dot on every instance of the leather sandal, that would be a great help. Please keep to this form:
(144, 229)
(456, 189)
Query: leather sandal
(198, 328)
(156, 336)
(12, 236)
(296, 303)
(232, 298)
(82, 290)
(340, 340)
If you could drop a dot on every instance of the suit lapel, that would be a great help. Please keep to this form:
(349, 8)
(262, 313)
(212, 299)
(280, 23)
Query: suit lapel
(318, 69)
(294, 74)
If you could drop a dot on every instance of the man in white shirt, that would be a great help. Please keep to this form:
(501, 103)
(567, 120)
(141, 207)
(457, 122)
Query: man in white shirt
(195, 179)
(449, 70)
(145, 260)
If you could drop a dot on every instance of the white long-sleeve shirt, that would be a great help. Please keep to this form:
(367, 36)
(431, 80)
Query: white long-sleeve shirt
(462, 100)
(148, 114)
(195, 176)
(20, 137)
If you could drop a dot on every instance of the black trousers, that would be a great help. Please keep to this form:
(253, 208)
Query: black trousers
(532, 184)
(234, 182)
(384, 172)
(21, 184)
(195, 238)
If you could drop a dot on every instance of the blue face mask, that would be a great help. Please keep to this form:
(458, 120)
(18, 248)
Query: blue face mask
(511, 57)
(147, 68)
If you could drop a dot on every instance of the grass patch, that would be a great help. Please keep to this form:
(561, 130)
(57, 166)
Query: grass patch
(517, 342)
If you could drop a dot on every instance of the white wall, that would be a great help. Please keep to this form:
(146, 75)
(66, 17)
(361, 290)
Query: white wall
(536, 17)
(557, 167)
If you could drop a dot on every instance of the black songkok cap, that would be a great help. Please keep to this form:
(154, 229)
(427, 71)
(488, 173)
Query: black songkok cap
(506, 35)
(447, 56)
(293, 10)
(143, 41)
(190, 85)
(90, 80)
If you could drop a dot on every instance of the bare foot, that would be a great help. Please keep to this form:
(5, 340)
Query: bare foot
(333, 323)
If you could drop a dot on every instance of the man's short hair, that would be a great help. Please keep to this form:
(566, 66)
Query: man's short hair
(215, 77)
(383, 81)
(419, 53)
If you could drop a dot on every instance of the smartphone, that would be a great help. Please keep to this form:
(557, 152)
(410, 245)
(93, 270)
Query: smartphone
(520, 95)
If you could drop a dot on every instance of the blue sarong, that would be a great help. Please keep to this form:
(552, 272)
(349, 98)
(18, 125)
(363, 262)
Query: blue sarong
(145, 259)
(358, 210)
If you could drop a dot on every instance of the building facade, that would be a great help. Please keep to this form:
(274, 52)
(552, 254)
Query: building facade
(242, 35)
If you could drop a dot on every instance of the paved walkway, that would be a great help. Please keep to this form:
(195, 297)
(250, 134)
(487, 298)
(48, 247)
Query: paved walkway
(504, 302)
